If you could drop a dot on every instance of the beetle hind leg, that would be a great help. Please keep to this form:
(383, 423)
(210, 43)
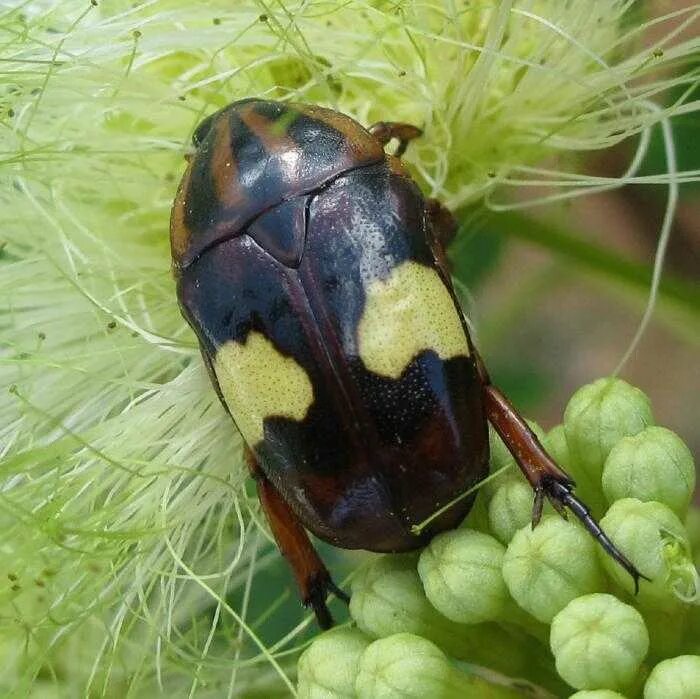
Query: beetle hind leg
(562, 496)
(312, 576)
(542, 472)
(545, 477)
(384, 131)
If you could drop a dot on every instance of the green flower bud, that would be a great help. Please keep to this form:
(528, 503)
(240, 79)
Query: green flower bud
(548, 566)
(461, 575)
(596, 694)
(537, 429)
(510, 509)
(596, 418)
(478, 517)
(598, 642)
(501, 456)
(556, 444)
(654, 464)
(677, 678)
(388, 598)
(654, 539)
(587, 483)
(405, 666)
(328, 667)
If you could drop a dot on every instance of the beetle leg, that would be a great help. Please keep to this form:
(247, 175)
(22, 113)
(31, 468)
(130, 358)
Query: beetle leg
(312, 576)
(543, 474)
(442, 229)
(384, 131)
(444, 224)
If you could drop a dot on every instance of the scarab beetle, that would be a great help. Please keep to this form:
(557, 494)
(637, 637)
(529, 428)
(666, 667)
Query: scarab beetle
(312, 270)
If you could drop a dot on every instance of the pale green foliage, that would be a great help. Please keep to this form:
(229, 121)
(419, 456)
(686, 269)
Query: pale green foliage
(501, 458)
(388, 598)
(596, 417)
(556, 444)
(587, 478)
(598, 642)
(461, 575)
(542, 571)
(127, 531)
(405, 666)
(654, 464)
(328, 668)
(510, 509)
(655, 540)
(596, 694)
(677, 678)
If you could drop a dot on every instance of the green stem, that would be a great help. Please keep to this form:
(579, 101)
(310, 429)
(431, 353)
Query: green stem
(674, 294)
(463, 686)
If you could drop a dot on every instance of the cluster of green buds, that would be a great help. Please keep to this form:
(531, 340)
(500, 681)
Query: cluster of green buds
(499, 609)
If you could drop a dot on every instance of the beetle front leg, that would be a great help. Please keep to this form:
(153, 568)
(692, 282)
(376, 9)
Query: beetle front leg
(443, 228)
(384, 131)
(544, 475)
(312, 576)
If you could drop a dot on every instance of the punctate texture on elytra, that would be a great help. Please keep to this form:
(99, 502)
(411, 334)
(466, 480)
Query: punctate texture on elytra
(598, 416)
(328, 667)
(598, 642)
(654, 539)
(654, 464)
(548, 566)
(461, 575)
(676, 678)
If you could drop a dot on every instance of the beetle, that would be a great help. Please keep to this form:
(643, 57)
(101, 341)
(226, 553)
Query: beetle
(312, 270)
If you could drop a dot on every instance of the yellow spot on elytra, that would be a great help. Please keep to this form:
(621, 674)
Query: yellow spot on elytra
(407, 313)
(257, 381)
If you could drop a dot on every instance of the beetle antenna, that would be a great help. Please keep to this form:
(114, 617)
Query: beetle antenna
(562, 494)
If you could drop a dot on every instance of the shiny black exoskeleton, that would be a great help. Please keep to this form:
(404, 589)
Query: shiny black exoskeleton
(313, 271)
